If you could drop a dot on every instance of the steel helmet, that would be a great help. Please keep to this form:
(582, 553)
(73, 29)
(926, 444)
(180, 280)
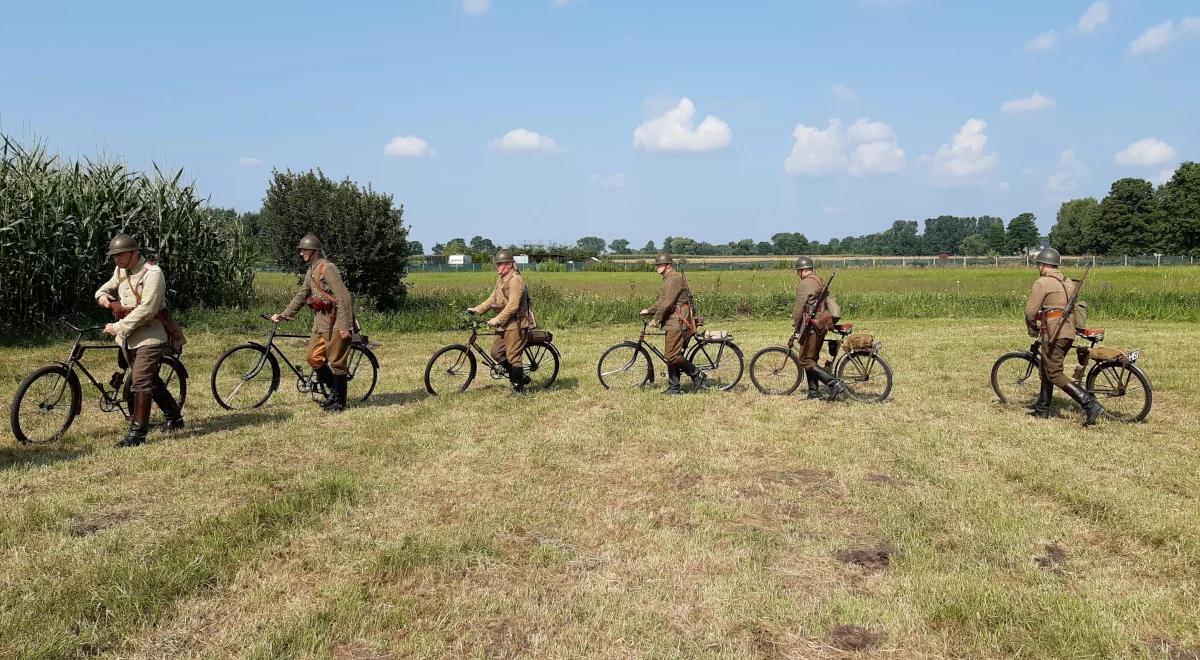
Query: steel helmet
(663, 258)
(122, 243)
(503, 257)
(1049, 256)
(804, 262)
(310, 242)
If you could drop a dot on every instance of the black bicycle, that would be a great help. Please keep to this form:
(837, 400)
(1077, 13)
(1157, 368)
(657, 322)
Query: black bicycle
(247, 375)
(855, 359)
(628, 364)
(50, 399)
(453, 367)
(1114, 377)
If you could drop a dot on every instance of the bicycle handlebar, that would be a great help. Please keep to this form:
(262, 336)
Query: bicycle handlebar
(80, 330)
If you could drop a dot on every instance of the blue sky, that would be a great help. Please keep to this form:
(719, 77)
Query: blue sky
(829, 118)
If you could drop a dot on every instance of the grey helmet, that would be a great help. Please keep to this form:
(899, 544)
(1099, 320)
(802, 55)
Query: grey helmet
(804, 262)
(122, 243)
(663, 258)
(1050, 257)
(309, 242)
(503, 257)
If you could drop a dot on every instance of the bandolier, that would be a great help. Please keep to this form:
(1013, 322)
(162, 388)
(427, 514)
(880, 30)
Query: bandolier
(514, 319)
(1047, 319)
(675, 312)
(323, 291)
(821, 319)
(136, 296)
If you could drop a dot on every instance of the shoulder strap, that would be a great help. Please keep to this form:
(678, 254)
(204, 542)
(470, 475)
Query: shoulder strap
(137, 290)
(321, 292)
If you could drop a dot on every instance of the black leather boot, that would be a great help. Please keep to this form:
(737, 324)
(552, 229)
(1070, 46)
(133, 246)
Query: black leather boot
(1091, 407)
(173, 416)
(139, 421)
(814, 389)
(673, 381)
(325, 376)
(337, 400)
(516, 376)
(699, 378)
(1041, 407)
(836, 387)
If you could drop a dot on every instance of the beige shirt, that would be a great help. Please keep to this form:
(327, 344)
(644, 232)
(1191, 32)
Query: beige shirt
(506, 301)
(145, 281)
(1050, 292)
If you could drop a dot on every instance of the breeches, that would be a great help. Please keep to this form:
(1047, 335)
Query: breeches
(145, 360)
(810, 349)
(328, 349)
(676, 339)
(1052, 355)
(509, 344)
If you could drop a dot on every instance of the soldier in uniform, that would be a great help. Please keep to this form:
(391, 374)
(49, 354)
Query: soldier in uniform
(808, 289)
(1055, 332)
(333, 321)
(675, 312)
(136, 294)
(513, 320)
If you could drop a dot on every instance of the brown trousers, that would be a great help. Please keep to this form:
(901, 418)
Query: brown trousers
(509, 344)
(329, 349)
(1052, 355)
(676, 339)
(143, 376)
(810, 348)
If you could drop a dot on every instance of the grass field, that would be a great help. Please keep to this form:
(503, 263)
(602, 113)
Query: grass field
(585, 522)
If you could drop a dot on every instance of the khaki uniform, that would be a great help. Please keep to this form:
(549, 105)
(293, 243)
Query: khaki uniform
(141, 336)
(323, 281)
(807, 290)
(514, 318)
(1049, 295)
(675, 312)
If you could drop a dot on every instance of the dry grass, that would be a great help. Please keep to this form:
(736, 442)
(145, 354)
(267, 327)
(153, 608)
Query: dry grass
(586, 522)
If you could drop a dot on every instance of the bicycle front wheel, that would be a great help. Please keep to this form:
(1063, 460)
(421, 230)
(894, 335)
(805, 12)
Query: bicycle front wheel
(867, 374)
(46, 403)
(245, 377)
(451, 369)
(1015, 378)
(541, 365)
(362, 371)
(624, 366)
(775, 370)
(720, 360)
(1123, 390)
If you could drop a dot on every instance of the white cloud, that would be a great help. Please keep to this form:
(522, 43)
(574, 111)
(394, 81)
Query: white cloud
(1030, 104)
(1164, 176)
(1066, 177)
(476, 7)
(1044, 41)
(1003, 186)
(618, 180)
(520, 139)
(675, 130)
(1145, 152)
(249, 161)
(866, 147)
(844, 93)
(1095, 16)
(1157, 37)
(966, 156)
(407, 146)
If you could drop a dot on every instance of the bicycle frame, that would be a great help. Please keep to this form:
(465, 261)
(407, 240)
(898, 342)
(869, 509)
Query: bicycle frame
(495, 368)
(109, 400)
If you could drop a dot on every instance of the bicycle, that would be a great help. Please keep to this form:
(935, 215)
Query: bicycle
(50, 398)
(453, 367)
(855, 359)
(246, 375)
(1114, 377)
(628, 365)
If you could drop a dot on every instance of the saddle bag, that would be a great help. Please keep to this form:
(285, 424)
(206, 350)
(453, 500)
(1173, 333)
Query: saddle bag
(1109, 354)
(860, 342)
(539, 336)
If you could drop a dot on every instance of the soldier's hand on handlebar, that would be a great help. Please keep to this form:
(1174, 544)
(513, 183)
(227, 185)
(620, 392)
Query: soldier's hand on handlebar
(653, 323)
(471, 311)
(110, 329)
(276, 318)
(644, 312)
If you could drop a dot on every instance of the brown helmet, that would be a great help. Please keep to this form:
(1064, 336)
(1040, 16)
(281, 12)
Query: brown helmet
(1050, 257)
(310, 242)
(122, 243)
(503, 257)
(804, 262)
(663, 258)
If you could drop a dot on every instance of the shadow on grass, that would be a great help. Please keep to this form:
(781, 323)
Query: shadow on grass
(222, 422)
(27, 456)
(392, 399)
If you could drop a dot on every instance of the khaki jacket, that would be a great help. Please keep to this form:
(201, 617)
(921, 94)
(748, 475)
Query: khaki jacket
(1050, 292)
(342, 317)
(675, 292)
(509, 302)
(807, 290)
(140, 327)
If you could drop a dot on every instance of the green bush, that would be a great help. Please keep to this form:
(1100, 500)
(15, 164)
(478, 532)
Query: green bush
(358, 227)
(57, 217)
(550, 266)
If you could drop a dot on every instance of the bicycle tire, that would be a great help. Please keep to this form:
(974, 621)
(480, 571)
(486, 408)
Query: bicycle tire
(69, 385)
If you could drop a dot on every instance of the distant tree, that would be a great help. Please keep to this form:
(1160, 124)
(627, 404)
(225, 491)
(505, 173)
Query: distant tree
(649, 248)
(593, 244)
(482, 245)
(667, 245)
(619, 246)
(789, 243)
(1023, 233)
(456, 246)
(1123, 226)
(1179, 204)
(684, 245)
(1074, 225)
(415, 247)
(993, 234)
(764, 248)
(974, 246)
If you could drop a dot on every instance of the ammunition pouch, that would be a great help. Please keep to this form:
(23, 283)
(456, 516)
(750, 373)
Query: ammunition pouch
(174, 331)
(320, 305)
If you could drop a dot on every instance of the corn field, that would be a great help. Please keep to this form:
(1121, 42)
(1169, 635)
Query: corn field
(56, 219)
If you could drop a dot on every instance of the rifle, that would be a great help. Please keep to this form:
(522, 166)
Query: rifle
(810, 312)
(1069, 308)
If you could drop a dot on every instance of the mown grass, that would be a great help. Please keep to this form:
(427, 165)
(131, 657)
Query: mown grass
(586, 522)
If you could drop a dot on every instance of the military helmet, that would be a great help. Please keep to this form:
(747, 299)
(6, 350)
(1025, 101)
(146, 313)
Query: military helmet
(310, 242)
(503, 257)
(122, 243)
(804, 262)
(663, 258)
(1049, 256)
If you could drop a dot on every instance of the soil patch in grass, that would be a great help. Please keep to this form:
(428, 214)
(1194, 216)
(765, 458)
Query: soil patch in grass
(855, 638)
(1052, 559)
(873, 558)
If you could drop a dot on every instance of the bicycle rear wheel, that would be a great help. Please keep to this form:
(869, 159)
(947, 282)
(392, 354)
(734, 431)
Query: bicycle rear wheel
(46, 403)
(867, 374)
(1123, 390)
(1015, 378)
(362, 368)
(541, 365)
(775, 370)
(720, 360)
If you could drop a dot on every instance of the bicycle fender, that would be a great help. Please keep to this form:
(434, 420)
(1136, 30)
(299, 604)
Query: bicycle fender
(182, 368)
(73, 379)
